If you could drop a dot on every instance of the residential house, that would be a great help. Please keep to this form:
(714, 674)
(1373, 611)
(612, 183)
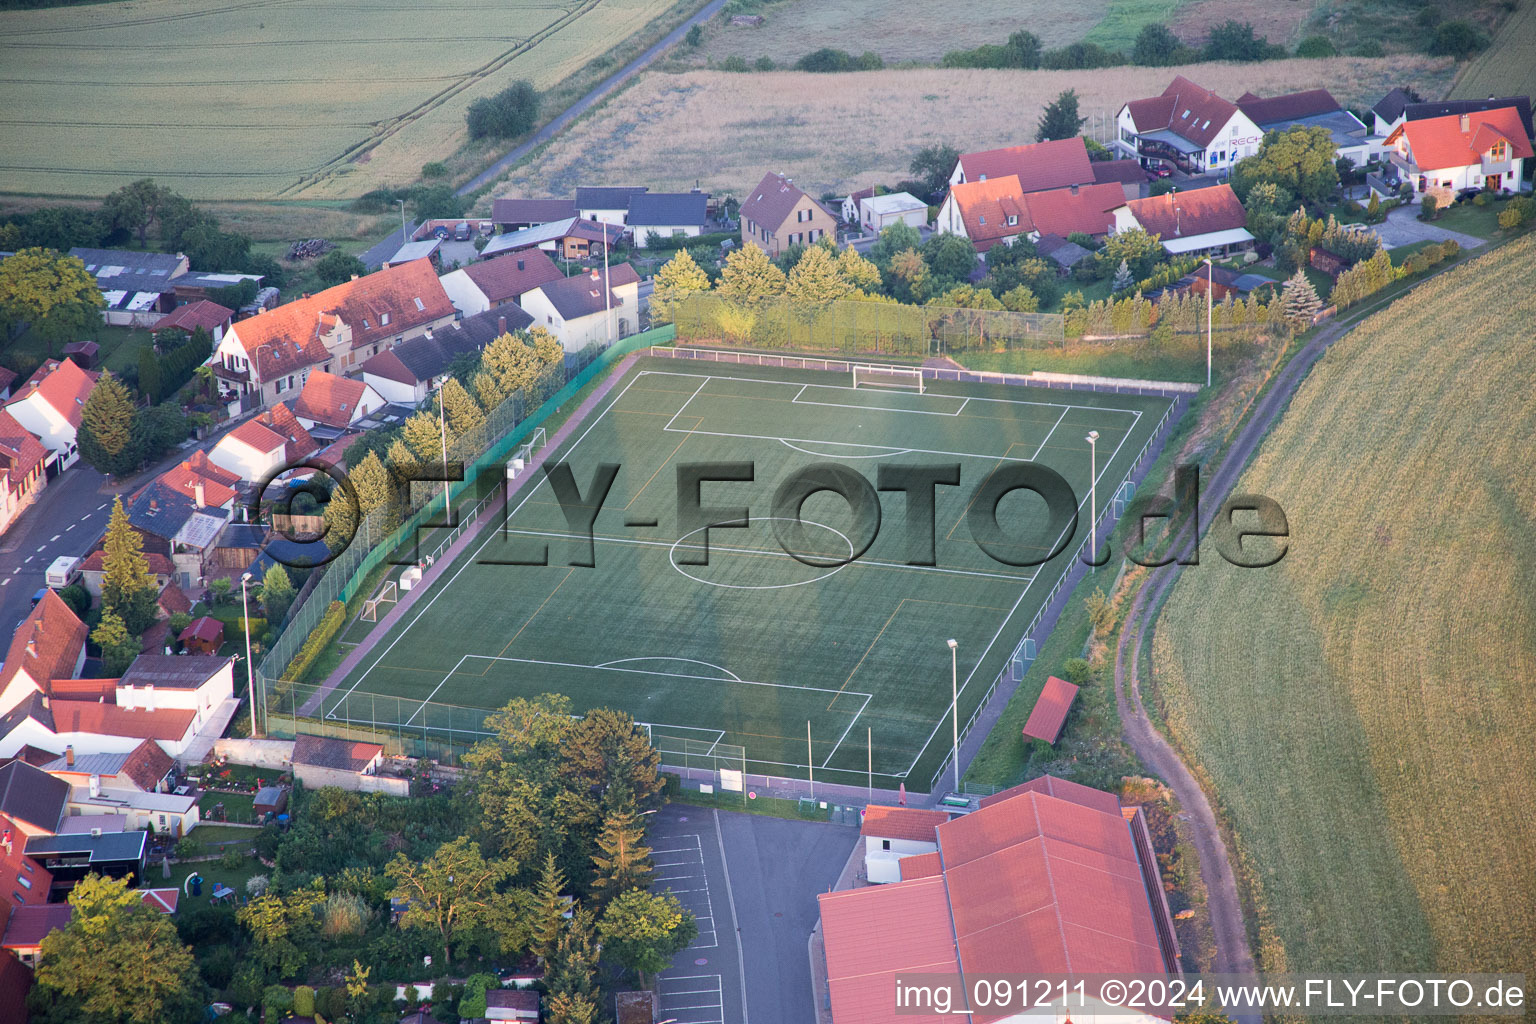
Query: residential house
(1045, 878)
(876, 213)
(777, 215)
(1398, 107)
(329, 401)
(210, 316)
(657, 216)
(580, 311)
(93, 569)
(407, 373)
(998, 209)
(7, 378)
(23, 469)
(264, 445)
(1441, 155)
(25, 931)
(516, 214)
(27, 926)
(117, 718)
(1187, 126)
(175, 525)
(207, 483)
(851, 204)
(1039, 166)
(133, 787)
(1313, 108)
(606, 204)
(267, 358)
(31, 804)
(200, 683)
(332, 761)
(147, 768)
(1200, 222)
(571, 239)
(891, 833)
(49, 405)
(49, 644)
(69, 857)
(490, 283)
(135, 285)
(517, 1005)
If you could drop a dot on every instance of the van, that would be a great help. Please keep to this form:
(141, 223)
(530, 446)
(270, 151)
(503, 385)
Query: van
(461, 233)
(62, 572)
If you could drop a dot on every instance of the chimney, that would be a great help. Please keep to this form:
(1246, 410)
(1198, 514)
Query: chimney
(69, 756)
(520, 264)
(501, 326)
(1074, 189)
(95, 786)
(149, 696)
(1466, 123)
(354, 277)
(197, 492)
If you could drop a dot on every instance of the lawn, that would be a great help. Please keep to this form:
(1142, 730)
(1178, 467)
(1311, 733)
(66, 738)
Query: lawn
(667, 129)
(1363, 710)
(120, 348)
(305, 100)
(238, 807)
(212, 871)
(1471, 219)
(751, 646)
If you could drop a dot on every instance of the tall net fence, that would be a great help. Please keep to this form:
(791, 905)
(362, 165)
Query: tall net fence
(854, 326)
(701, 762)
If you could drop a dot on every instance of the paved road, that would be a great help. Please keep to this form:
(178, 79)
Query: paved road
(586, 103)
(704, 983)
(66, 519)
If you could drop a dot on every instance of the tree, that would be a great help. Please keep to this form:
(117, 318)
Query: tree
(464, 416)
(1060, 120)
(896, 238)
(128, 590)
(509, 113)
(511, 365)
(1123, 279)
(1459, 39)
(106, 427)
(337, 267)
(932, 165)
(623, 861)
(679, 278)
(860, 273)
(136, 206)
(695, 35)
(643, 931)
(454, 892)
(1300, 160)
(52, 292)
(119, 961)
(1429, 207)
(1139, 250)
(1236, 41)
(909, 276)
(549, 907)
(285, 926)
(815, 279)
(1019, 299)
(1299, 302)
(276, 593)
(118, 647)
(605, 749)
(566, 1008)
(749, 276)
(1316, 46)
(1373, 207)
(423, 434)
(149, 376)
(1157, 47)
(950, 258)
(375, 490)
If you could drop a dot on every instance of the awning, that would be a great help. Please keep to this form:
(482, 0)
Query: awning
(1209, 240)
(1172, 140)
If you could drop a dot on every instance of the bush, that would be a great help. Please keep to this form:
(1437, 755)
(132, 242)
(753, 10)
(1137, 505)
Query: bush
(434, 169)
(77, 597)
(337, 267)
(733, 63)
(303, 1001)
(509, 113)
(323, 633)
(232, 859)
(1428, 207)
(1459, 39)
(695, 35)
(1316, 46)
(276, 1002)
(345, 914)
(256, 885)
(828, 59)
(1369, 48)
(763, 64)
(1237, 41)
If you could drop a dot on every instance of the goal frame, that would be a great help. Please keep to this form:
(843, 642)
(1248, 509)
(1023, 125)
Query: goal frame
(914, 373)
(387, 593)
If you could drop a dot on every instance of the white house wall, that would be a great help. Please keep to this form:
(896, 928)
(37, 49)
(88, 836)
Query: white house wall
(394, 391)
(244, 461)
(49, 426)
(465, 295)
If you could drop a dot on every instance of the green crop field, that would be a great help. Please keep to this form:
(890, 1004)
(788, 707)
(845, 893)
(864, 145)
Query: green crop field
(276, 98)
(1363, 712)
(1508, 66)
(750, 647)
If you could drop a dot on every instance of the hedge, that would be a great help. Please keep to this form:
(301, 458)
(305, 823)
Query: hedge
(324, 632)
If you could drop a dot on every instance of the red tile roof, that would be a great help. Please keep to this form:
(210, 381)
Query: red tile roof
(1050, 711)
(29, 925)
(163, 900)
(1196, 212)
(1066, 211)
(47, 644)
(110, 720)
(1188, 110)
(902, 823)
(330, 399)
(20, 450)
(202, 313)
(1439, 142)
(276, 428)
(254, 434)
(1289, 107)
(84, 689)
(61, 384)
(876, 933)
(1061, 789)
(206, 628)
(218, 483)
(986, 207)
(1038, 166)
(506, 278)
(146, 765)
(769, 204)
(173, 599)
(920, 865)
(159, 565)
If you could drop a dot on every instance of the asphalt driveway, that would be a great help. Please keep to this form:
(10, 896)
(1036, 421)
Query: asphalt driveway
(1403, 227)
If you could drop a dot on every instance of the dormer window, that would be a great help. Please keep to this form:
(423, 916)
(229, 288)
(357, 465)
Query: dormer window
(1013, 219)
(365, 323)
(1500, 151)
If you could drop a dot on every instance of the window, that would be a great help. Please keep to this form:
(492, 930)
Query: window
(384, 320)
(885, 844)
(1013, 219)
(1184, 116)
(981, 218)
(24, 881)
(162, 821)
(419, 304)
(1499, 152)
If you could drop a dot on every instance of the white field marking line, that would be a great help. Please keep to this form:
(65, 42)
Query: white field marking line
(667, 675)
(440, 589)
(926, 394)
(884, 453)
(1006, 576)
(698, 847)
(1045, 440)
(102, 505)
(685, 404)
(827, 760)
(439, 686)
(691, 661)
(871, 408)
(1066, 567)
(730, 900)
(852, 444)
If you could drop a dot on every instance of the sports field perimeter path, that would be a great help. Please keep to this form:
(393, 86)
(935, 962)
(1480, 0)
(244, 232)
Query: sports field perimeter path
(409, 598)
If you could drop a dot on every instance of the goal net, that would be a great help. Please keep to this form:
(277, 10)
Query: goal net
(388, 594)
(909, 377)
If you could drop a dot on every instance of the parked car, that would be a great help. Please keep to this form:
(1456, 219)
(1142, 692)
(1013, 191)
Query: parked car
(1468, 193)
(1159, 171)
(41, 592)
(461, 234)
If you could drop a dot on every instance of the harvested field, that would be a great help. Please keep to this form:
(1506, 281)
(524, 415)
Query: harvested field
(726, 130)
(1508, 67)
(303, 98)
(1363, 711)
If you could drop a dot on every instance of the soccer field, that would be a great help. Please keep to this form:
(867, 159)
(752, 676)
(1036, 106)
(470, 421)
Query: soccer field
(751, 646)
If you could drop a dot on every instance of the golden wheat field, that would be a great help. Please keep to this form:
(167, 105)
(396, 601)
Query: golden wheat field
(837, 133)
(1364, 711)
(272, 98)
(1508, 66)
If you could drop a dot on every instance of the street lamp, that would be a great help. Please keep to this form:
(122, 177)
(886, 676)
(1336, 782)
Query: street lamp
(402, 220)
(250, 669)
(1210, 276)
(954, 707)
(1093, 498)
(442, 426)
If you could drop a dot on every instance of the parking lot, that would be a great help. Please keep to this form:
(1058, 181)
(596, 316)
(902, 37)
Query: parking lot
(704, 983)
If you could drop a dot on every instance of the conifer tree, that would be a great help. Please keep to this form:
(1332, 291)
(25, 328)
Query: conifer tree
(512, 364)
(106, 428)
(860, 273)
(464, 416)
(276, 593)
(546, 346)
(549, 910)
(623, 861)
(750, 276)
(375, 490)
(423, 435)
(575, 966)
(816, 279)
(1300, 303)
(118, 648)
(128, 589)
(1122, 279)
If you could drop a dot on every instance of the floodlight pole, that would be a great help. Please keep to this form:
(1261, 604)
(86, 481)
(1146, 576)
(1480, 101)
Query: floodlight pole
(250, 669)
(810, 769)
(869, 747)
(1093, 498)
(1210, 280)
(403, 239)
(442, 426)
(954, 707)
